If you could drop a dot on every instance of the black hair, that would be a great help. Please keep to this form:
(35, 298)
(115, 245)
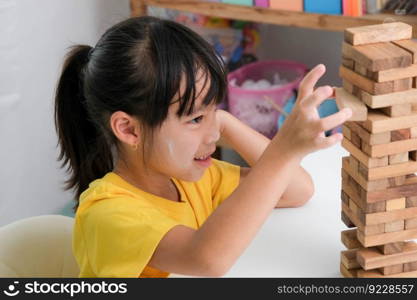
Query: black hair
(136, 67)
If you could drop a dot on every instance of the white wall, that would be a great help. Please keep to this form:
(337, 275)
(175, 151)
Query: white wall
(34, 36)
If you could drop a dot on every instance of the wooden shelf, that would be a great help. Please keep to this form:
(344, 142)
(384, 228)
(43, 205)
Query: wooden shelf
(271, 16)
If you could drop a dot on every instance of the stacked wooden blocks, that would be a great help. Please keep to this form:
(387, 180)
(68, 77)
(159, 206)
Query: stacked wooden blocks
(379, 187)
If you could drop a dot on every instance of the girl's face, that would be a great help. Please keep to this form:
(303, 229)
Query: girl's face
(182, 146)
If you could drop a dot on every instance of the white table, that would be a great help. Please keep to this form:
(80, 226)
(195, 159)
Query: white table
(305, 241)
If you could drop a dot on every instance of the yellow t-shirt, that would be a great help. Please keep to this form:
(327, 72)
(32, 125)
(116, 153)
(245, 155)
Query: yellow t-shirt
(118, 226)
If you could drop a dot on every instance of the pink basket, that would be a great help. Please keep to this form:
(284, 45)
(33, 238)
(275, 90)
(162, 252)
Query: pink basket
(251, 106)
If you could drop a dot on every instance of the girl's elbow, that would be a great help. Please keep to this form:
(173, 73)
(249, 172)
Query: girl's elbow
(214, 266)
(307, 195)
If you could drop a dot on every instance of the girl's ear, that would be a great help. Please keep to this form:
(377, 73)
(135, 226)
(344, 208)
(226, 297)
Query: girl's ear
(125, 128)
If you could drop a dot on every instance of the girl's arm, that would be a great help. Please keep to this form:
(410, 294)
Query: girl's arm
(250, 145)
(212, 249)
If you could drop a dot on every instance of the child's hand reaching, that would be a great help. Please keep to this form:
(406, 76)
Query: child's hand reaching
(303, 130)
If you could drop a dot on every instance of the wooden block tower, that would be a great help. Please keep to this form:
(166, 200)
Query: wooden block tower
(379, 185)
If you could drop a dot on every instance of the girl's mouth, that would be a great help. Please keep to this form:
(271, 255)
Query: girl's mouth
(204, 161)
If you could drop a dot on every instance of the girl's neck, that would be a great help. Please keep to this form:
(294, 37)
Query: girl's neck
(159, 185)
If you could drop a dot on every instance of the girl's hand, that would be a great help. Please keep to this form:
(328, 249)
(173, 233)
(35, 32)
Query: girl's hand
(303, 130)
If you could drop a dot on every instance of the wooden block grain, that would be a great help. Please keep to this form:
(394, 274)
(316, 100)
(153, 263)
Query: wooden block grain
(398, 158)
(349, 239)
(368, 161)
(391, 170)
(372, 87)
(348, 259)
(385, 32)
(400, 134)
(391, 248)
(345, 99)
(379, 122)
(366, 136)
(376, 274)
(390, 237)
(410, 46)
(391, 270)
(371, 258)
(398, 110)
(395, 147)
(377, 57)
(393, 74)
(379, 101)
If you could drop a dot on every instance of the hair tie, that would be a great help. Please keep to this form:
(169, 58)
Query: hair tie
(90, 53)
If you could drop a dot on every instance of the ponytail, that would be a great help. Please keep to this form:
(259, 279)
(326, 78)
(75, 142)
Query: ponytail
(84, 150)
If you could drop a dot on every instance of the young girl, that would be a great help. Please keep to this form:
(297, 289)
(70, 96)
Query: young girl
(137, 122)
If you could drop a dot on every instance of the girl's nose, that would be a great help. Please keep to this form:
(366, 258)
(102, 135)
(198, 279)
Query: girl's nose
(213, 136)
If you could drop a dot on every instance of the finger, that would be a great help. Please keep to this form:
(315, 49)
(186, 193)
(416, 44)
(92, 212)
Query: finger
(318, 96)
(310, 80)
(335, 119)
(330, 140)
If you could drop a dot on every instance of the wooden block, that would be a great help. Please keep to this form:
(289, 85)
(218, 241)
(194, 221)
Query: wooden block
(361, 70)
(366, 136)
(354, 163)
(371, 258)
(345, 99)
(370, 86)
(406, 190)
(402, 84)
(394, 226)
(356, 217)
(384, 238)
(346, 220)
(345, 197)
(348, 259)
(351, 192)
(391, 148)
(368, 185)
(378, 101)
(413, 132)
(398, 110)
(411, 223)
(349, 239)
(377, 57)
(376, 274)
(393, 74)
(398, 158)
(347, 273)
(346, 132)
(379, 122)
(389, 216)
(394, 269)
(385, 32)
(356, 140)
(395, 204)
(397, 181)
(410, 46)
(400, 134)
(412, 266)
(391, 248)
(348, 63)
(411, 201)
(348, 86)
(391, 170)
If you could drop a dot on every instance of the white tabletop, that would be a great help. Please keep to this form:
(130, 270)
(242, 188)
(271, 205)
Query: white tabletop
(305, 241)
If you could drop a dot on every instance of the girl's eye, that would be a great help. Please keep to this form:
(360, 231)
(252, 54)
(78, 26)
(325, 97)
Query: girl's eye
(196, 120)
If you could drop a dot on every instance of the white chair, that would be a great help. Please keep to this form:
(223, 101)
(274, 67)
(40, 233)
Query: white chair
(38, 247)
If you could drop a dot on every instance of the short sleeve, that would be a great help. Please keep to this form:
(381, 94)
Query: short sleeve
(119, 242)
(225, 179)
